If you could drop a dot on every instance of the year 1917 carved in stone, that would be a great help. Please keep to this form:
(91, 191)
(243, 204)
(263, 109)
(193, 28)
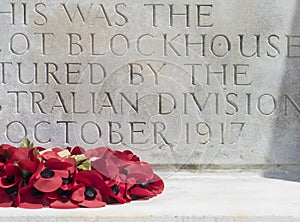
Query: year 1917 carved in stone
(206, 83)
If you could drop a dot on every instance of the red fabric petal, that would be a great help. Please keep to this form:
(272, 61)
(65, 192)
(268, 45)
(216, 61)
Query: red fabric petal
(101, 152)
(31, 166)
(92, 204)
(6, 204)
(112, 172)
(61, 173)
(131, 156)
(157, 184)
(120, 197)
(141, 168)
(66, 186)
(109, 170)
(95, 203)
(52, 195)
(126, 156)
(5, 184)
(99, 165)
(137, 178)
(63, 205)
(119, 162)
(57, 149)
(72, 168)
(12, 170)
(51, 155)
(141, 192)
(5, 201)
(20, 154)
(85, 181)
(39, 148)
(57, 164)
(48, 184)
(30, 205)
(29, 201)
(97, 180)
(93, 179)
(77, 150)
(78, 194)
(8, 146)
(132, 180)
(122, 156)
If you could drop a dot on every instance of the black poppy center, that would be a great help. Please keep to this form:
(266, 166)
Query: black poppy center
(12, 191)
(115, 189)
(64, 193)
(144, 185)
(36, 193)
(112, 200)
(135, 197)
(25, 182)
(124, 171)
(10, 179)
(47, 173)
(67, 180)
(90, 192)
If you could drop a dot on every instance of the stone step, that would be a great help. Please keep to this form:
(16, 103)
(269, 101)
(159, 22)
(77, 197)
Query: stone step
(206, 197)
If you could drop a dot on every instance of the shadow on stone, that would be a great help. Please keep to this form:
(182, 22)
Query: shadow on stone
(283, 156)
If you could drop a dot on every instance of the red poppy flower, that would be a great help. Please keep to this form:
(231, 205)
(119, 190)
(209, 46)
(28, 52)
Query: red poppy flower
(21, 163)
(77, 150)
(119, 192)
(147, 189)
(30, 197)
(62, 199)
(11, 182)
(111, 164)
(36, 178)
(100, 152)
(49, 176)
(123, 172)
(6, 152)
(127, 155)
(36, 195)
(91, 189)
(53, 180)
(137, 181)
(12, 176)
(104, 162)
(10, 196)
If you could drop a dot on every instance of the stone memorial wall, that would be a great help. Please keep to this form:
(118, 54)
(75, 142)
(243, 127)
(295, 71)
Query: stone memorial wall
(205, 83)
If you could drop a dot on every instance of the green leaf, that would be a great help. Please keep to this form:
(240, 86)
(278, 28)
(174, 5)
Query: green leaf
(35, 152)
(85, 165)
(79, 158)
(81, 162)
(26, 173)
(6, 154)
(26, 143)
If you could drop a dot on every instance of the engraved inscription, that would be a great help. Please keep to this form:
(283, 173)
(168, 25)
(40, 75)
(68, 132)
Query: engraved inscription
(177, 82)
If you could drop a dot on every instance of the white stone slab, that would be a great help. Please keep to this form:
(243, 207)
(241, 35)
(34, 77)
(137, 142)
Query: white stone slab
(111, 73)
(190, 197)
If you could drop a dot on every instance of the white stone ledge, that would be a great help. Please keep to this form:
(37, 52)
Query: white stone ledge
(190, 197)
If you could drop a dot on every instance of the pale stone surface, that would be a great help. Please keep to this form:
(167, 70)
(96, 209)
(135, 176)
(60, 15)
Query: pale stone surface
(190, 197)
(89, 63)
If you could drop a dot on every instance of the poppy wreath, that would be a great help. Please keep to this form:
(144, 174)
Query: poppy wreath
(35, 177)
